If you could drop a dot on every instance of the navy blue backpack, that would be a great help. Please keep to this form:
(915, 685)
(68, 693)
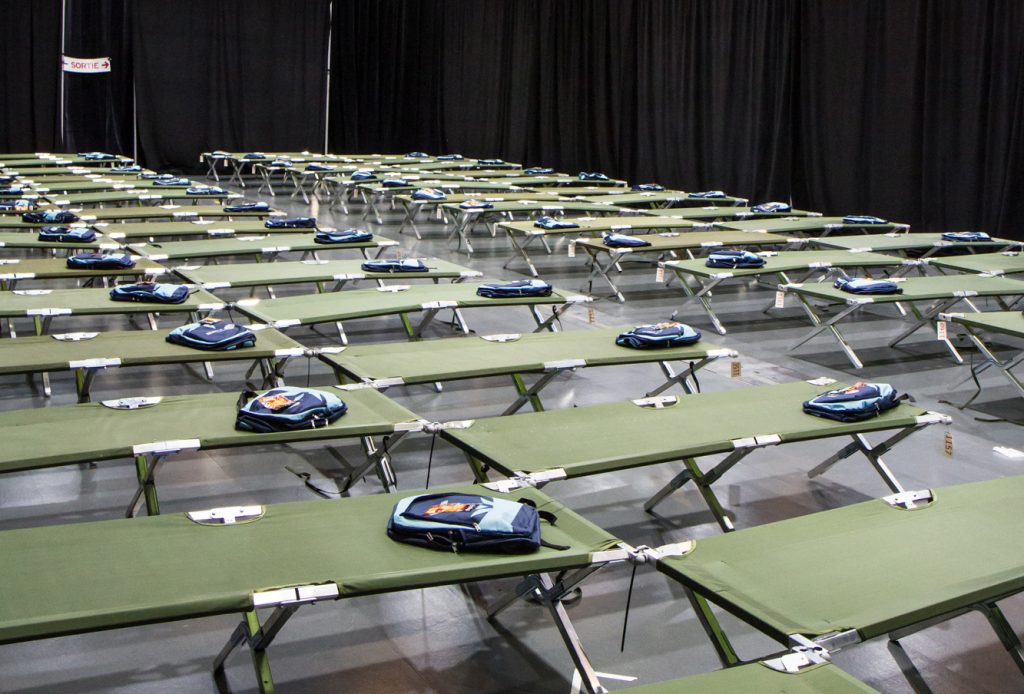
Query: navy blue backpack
(344, 236)
(205, 190)
(538, 171)
(511, 290)
(491, 162)
(648, 187)
(392, 266)
(592, 176)
(171, 182)
(734, 259)
(624, 241)
(12, 190)
(319, 167)
(708, 194)
(862, 219)
(18, 205)
(867, 286)
(248, 207)
(432, 194)
(101, 261)
(362, 175)
(291, 223)
(450, 157)
(134, 168)
(454, 522)
(416, 155)
(288, 409)
(475, 205)
(552, 223)
(854, 404)
(966, 236)
(394, 182)
(771, 207)
(50, 217)
(151, 293)
(67, 234)
(659, 336)
(212, 335)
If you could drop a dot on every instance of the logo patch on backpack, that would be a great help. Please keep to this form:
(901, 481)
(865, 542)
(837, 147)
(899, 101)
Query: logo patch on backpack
(449, 507)
(275, 402)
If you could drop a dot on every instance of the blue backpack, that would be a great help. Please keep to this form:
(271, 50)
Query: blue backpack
(648, 187)
(552, 223)
(450, 157)
(171, 182)
(156, 177)
(12, 190)
(854, 404)
(491, 162)
(212, 335)
(475, 205)
(771, 207)
(429, 194)
(291, 223)
(205, 190)
(287, 409)
(708, 194)
(469, 522)
(362, 175)
(966, 236)
(659, 336)
(394, 182)
(67, 234)
(319, 167)
(867, 286)
(734, 259)
(538, 171)
(255, 155)
(151, 293)
(416, 155)
(101, 261)
(50, 217)
(392, 266)
(345, 236)
(134, 168)
(511, 290)
(97, 156)
(592, 176)
(17, 205)
(624, 241)
(862, 219)
(248, 207)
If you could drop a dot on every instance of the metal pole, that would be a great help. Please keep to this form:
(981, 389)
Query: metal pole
(63, 29)
(327, 94)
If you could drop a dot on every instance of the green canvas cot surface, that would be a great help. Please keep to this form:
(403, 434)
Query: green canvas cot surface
(602, 438)
(792, 225)
(711, 213)
(57, 268)
(895, 241)
(1006, 322)
(757, 678)
(919, 289)
(787, 261)
(92, 431)
(142, 196)
(27, 240)
(870, 567)
(686, 240)
(1009, 263)
(168, 212)
(91, 576)
(264, 274)
(475, 356)
(663, 198)
(590, 225)
(195, 227)
(93, 302)
(269, 243)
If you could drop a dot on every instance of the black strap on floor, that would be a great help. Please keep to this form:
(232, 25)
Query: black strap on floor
(625, 617)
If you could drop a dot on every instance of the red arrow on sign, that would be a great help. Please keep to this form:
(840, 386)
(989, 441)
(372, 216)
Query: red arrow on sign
(106, 63)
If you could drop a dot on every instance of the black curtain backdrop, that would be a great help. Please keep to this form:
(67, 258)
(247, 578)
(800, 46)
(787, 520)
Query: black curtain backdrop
(230, 74)
(909, 109)
(98, 107)
(29, 75)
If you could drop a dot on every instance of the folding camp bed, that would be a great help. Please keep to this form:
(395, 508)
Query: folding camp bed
(890, 566)
(665, 199)
(89, 185)
(321, 272)
(699, 281)
(413, 206)
(142, 197)
(159, 569)
(166, 426)
(711, 213)
(42, 305)
(814, 225)
(1005, 263)
(37, 172)
(463, 220)
(925, 245)
(943, 293)
(27, 240)
(538, 447)
(604, 259)
(793, 673)
(213, 228)
(14, 270)
(399, 300)
(1003, 323)
(237, 161)
(588, 226)
(63, 160)
(89, 353)
(561, 180)
(546, 354)
(160, 212)
(265, 246)
(375, 193)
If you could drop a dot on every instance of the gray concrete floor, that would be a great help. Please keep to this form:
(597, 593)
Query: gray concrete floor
(438, 640)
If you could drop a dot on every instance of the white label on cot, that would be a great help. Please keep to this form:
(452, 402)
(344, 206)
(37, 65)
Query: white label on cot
(659, 276)
(572, 249)
(941, 330)
(780, 299)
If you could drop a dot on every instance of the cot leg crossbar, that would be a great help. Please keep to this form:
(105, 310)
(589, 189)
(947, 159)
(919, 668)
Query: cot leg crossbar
(258, 637)
(520, 251)
(702, 296)
(830, 325)
(705, 480)
(1004, 367)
